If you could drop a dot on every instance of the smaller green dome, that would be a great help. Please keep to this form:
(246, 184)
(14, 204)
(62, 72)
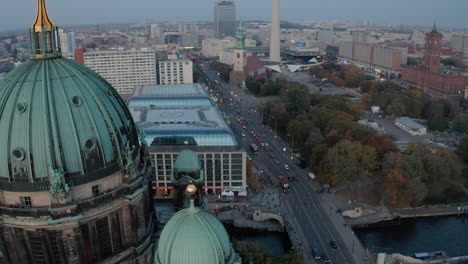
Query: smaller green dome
(194, 236)
(187, 161)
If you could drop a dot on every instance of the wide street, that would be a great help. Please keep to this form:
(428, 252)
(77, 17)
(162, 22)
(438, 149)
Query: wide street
(302, 208)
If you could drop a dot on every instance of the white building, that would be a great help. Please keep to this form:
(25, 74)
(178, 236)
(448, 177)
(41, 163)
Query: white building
(67, 41)
(410, 126)
(124, 70)
(175, 72)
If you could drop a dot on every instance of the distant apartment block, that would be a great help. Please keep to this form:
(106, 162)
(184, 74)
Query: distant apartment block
(386, 58)
(67, 41)
(360, 36)
(125, 69)
(460, 42)
(176, 72)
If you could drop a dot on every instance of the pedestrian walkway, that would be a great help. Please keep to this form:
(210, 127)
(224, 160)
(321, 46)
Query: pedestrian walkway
(359, 253)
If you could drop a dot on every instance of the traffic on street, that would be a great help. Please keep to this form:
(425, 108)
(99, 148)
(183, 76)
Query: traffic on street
(272, 158)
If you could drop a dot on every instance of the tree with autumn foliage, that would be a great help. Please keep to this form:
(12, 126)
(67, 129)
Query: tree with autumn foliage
(382, 144)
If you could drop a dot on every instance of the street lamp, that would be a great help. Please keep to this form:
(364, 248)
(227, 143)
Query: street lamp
(276, 122)
(292, 142)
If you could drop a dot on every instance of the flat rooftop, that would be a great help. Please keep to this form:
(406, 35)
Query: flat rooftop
(170, 91)
(166, 111)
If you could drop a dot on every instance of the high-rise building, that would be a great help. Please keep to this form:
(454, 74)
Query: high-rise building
(176, 72)
(124, 69)
(275, 41)
(67, 41)
(73, 176)
(225, 19)
(460, 42)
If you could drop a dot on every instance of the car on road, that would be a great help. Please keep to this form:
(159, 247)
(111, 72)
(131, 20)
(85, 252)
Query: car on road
(333, 244)
(316, 253)
(286, 167)
(243, 135)
(259, 140)
(277, 162)
(293, 178)
(325, 258)
(244, 127)
(272, 155)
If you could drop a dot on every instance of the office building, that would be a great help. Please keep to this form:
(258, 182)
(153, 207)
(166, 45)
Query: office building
(180, 117)
(73, 179)
(123, 69)
(225, 19)
(176, 72)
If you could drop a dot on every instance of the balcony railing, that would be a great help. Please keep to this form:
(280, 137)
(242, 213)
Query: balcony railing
(24, 212)
(67, 211)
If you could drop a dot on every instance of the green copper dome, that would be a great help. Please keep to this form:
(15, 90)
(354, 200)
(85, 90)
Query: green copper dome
(194, 236)
(187, 161)
(56, 114)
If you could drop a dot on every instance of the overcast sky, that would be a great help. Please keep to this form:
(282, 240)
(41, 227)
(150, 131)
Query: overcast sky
(17, 14)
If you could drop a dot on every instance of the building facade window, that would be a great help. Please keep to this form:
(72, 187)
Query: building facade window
(26, 201)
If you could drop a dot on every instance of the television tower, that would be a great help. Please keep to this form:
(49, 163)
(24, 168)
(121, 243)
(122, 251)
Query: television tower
(275, 33)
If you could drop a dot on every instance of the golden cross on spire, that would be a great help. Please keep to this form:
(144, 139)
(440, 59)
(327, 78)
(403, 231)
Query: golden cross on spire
(43, 22)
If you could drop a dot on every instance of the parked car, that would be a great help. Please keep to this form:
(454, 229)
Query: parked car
(333, 244)
(286, 167)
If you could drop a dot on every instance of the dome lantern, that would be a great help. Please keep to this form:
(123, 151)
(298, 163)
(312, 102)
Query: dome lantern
(44, 35)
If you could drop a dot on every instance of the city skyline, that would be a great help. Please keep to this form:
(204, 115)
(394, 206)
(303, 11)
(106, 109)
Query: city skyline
(394, 12)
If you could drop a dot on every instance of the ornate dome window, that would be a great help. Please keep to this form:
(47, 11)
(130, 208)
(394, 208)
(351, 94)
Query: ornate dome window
(21, 107)
(90, 144)
(18, 154)
(76, 100)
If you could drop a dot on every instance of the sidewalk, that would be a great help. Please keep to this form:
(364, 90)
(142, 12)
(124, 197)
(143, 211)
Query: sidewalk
(358, 251)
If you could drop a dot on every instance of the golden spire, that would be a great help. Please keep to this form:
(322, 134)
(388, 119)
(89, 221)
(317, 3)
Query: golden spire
(43, 22)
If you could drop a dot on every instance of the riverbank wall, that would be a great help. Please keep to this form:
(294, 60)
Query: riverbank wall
(392, 216)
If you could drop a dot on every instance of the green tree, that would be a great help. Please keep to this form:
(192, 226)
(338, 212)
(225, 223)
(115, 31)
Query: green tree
(252, 253)
(435, 115)
(299, 130)
(460, 123)
(289, 259)
(348, 161)
(397, 107)
(462, 149)
(442, 166)
(296, 99)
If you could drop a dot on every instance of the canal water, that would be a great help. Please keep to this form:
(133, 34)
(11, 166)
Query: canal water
(277, 243)
(449, 234)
